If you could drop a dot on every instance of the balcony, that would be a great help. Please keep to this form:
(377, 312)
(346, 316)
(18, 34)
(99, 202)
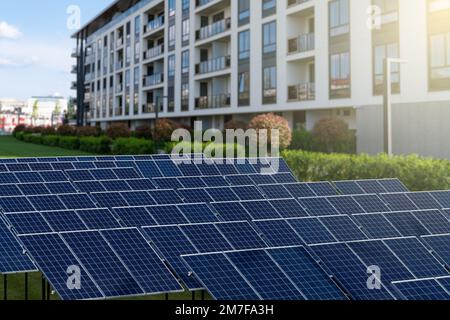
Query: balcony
(291, 3)
(154, 52)
(213, 102)
(119, 88)
(74, 53)
(302, 92)
(74, 70)
(119, 43)
(302, 43)
(213, 65)
(119, 65)
(88, 77)
(213, 29)
(153, 80)
(154, 24)
(73, 85)
(200, 3)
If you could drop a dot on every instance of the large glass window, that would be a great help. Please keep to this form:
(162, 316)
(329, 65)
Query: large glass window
(244, 45)
(172, 6)
(270, 84)
(340, 75)
(172, 36)
(382, 52)
(186, 27)
(270, 37)
(339, 17)
(244, 11)
(440, 56)
(244, 88)
(171, 66)
(137, 26)
(185, 61)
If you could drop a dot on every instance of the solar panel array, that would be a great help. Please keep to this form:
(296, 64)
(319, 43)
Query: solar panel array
(138, 225)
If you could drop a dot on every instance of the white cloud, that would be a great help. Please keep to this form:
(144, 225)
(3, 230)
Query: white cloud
(8, 31)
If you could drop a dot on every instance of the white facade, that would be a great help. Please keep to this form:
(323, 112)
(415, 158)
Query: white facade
(47, 110)
(306, 86)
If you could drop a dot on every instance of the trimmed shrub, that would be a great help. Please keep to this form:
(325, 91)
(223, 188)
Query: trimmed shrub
(235, 125)
(19, 128)
(29, 130)
(50, 140)
(20, 135)
(47, 131)
(329, 132)
(270, 122)
(302, 139)
(65, 130)
(127, 146)
(95, 144)
(118, 130)
(164, 128)
(88, 131)
(143, 132)
(33, 138)
(72, 143)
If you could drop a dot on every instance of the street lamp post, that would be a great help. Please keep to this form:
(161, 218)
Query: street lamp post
(387, 103)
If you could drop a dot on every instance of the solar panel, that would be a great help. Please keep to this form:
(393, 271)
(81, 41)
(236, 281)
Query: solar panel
(323, 189)
(103, 264)
(349, 271)
(398, 202)
(260, 209)
(89, 186)
(126, 164)
(376, 226)
(345, 205)
(80, 175)
(103, 174)
(423, 200)
(443, 197)
(77, 201)
(278, 233)
(63, 166)
(416, 257)
(428, 289)
(371, 186)
(8, 177)
(289, 208)
(279, 165)
(194, 195)
(141, 261)
(231, 211)
(375, 253)
(198, 213)
(239, 180)
(46, 203)
(191, 182)
(206, 238)
(138, 198)
(348, 187)
(60, 187)
(47, 159)
(220, 277)
(28, 223)
(215, 181)
(371, 203)
(12, 167)
(26, 160)
(54, 259)
(246, 193)
(226, 167)
(343, 228)
(433, 220)
(84, 165)
(264, 275)
(222, 194)
(109, 199)
(127, 173)
(61, 221)
(167, 215)
(243, 166)
(187, 168)
(15, 204)
(318, 206)
(284, 178)
(306, 274)
(208, 169)
(241, 235)
(148, 169)
(275, 191)
(260, 179)
(105, 164)
(96, 219)
(134, 217)
(299, 190)
(68, 159)
(446, 213)
(168, 168)
(312, 231)
(140, 184)
(3, 168)
(444, 282)
(115, 185)
(440, 245)
(167, 183)
(29, 177)
(393, 185)
(406, 224)
(53, 176)
(11, 190)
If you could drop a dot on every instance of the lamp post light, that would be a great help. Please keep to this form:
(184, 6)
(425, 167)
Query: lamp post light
(387, 103)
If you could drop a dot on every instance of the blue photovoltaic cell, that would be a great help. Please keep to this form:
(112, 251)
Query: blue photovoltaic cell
(126, 164)
(62, 166)
(278, 233)
(215, 181)
(311, 230)
(103, 174)
(343, 228)
(445, 282)
(124, 158)
(260, 179)
(275, 191)
(68, 159)
(306, 274)
(284, 178)
(104, 266)
(15, 204)
(29, 177)
(77, 201)
(109, 199)
(222, 194)
(244, 167)
(371, 186)
(167, 215)
(375, 253)
(105, 164)
(428, 289)
(406, 224)
(434, 221)
(188, 169)
(80, 175)
(18, 167)
(289, 208)
(53, 176)
(8, 177)
(198, 213)
(246, 193)
(226, 167)
(134, 217)
(11, 190)
(423, 200)
(208, 169)
(440, 245)
(165, 197)
(138, 198)
(376, 226)
(54, 258)
(127, 173)
(86, 159)
(345, 205)
(446, 213)
(84, 165)
(323, 189)
(148, 169)
(318, 206)
(261, 209)
(371, 203)
(231, 211)
(349, 271)
(167, 183)
(220, 277)
(168, 168)
(3, 168)
(443, 197)
(89, 186)
(240, 180)
(264, 275)
(26, 160)
(115, 185)
(191, 182)
(142, 261)
(47, 159)
(241, 235)
(416, 257)
(194, 195)
(96, 219)
(140, 184)
(28, 223)
(60, 187)
(172, 243)
(278, 165)
(61, 221)
(206, 238)
(299, 190)
(46, 203)
(393, 185)
(398, 202)
(348, 187)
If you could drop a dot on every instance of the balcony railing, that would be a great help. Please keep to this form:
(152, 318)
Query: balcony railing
(88, 77)
(213, 65)
(119, 65)
(119, 88)
(154, 52)
(291, 3)
(153, 80)
(302, 43)
(119, 42)
(302, 92)
(200, 3)
(213, 29)
(154, 24)
(213, 102)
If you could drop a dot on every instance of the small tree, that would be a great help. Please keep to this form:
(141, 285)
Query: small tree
(330, 132)
(118, 130)
(271, 122)
(35, 112)
(163, 129)
(235, 125)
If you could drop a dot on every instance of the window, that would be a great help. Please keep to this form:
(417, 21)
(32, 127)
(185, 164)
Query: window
(270, 37)
(339, 17)
(244, 88)
(128, 54)
(172, 5)
(137, 26)
(136, 103)
(185, 5)
(137, 51)
(171, 66)
(128, 30)
(269, 5)
(270, 85)
(186, 27)
(172, 36)
(137, 76)
(340, 75)
(440, 56)
(244, 45)
(185, 96)
(127, 78)
(244, 11)
(185, 61)
(381, 52)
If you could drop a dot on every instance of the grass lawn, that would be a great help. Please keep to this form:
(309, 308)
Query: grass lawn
(13, 148)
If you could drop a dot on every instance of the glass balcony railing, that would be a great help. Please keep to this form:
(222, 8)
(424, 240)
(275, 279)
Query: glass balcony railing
(153, 80)
(213, 65)
(302, 43)
(213, 29)
(302, 92)
(154, 52)
(213, 102)
(119, 65)
(291, 3)
(154, 24)
(200, 3)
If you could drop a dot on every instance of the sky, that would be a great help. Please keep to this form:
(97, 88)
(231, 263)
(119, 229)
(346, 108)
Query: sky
(35, 45)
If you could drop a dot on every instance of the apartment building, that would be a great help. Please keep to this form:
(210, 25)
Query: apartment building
(217, 60)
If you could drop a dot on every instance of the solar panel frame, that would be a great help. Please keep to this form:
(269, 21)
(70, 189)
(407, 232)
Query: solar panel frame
(231, 211)
(241, 235)
(260, 209)
(349, 188)
(198, 213)
(423, 200)
(376, 226)
(406, 224)
(167, 215)
(343, 228)
(318, 206)
(311, 230)
(278, 233)
(421, 289)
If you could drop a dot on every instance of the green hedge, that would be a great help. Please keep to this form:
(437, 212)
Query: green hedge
(52, 141)
(235, 148)
(416, 172)
(126, 146)
(68, 142)
(95, 144)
